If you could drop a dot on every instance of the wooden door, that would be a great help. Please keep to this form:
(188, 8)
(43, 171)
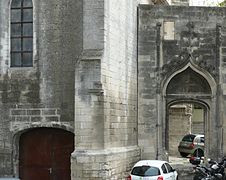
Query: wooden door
(45, 154)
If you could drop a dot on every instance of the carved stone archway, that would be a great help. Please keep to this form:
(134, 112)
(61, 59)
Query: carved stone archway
(191, 84)
(183, 125)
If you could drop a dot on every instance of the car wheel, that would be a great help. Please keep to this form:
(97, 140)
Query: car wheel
(183, 154)
(198, 153)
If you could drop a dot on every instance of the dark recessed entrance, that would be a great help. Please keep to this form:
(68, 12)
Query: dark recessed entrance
(45, 154)
(188, 111)
(184, 118)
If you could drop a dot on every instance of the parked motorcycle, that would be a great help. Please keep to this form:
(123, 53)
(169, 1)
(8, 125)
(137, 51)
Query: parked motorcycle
(213, 171)
(204, 173)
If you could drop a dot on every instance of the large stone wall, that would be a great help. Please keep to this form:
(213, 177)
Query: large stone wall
(179, 125)
(89, 102)
(195, 38)
(59, 33)
(106, 92)
(119, 75)
(42, 95)
(85, 78)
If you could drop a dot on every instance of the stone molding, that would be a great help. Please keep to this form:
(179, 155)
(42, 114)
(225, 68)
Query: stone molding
(26, 118)
(35, 114)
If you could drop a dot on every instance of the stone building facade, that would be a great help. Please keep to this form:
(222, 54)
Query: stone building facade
(41, 95)
(106, 92)
(82, 79)
(92, 77)
(180, 60)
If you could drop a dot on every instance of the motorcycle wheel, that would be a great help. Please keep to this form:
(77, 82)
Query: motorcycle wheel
(198, 177)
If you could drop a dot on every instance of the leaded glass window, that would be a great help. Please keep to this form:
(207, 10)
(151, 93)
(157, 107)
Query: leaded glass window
(21, 33)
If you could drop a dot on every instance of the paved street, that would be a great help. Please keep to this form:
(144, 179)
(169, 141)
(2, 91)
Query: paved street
(183, 167)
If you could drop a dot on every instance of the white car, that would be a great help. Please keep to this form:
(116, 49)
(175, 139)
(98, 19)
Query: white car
(153, 170)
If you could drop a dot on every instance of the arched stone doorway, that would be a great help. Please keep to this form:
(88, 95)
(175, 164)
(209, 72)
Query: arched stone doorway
(44, 153)
(184, 117)
(192, 86)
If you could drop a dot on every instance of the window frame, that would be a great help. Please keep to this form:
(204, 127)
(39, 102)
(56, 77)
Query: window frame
(169, 30)
(164, 169)
(21, 36)
(143, 169)
(168, 167)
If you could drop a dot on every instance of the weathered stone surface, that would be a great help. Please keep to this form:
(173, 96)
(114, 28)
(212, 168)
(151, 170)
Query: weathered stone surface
(85, 79)
(198, 47)
(27, 94)
(106, 92)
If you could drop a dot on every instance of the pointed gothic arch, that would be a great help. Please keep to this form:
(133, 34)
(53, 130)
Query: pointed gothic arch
(190, 84)
(196, 69)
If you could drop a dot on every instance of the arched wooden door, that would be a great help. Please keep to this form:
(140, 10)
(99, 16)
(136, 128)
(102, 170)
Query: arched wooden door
(44, 154)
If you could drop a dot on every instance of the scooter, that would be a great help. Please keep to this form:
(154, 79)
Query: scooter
(214, 171)
(204, 173)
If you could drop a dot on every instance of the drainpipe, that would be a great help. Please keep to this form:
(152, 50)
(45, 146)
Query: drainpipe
(137, 76)
(219, 92)
(158, 92)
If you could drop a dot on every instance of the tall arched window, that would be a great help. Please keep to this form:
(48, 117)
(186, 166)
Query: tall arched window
(21, 33)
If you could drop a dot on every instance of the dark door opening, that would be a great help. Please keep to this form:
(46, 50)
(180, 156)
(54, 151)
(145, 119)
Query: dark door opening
(186, 130)
(44, 154)
(188, 94)
(184, 119)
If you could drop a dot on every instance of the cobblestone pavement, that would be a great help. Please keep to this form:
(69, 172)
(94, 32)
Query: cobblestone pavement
(183, 167)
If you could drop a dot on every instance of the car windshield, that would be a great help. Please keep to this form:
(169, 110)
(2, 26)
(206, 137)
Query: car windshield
(145, 171)
(188, 138)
